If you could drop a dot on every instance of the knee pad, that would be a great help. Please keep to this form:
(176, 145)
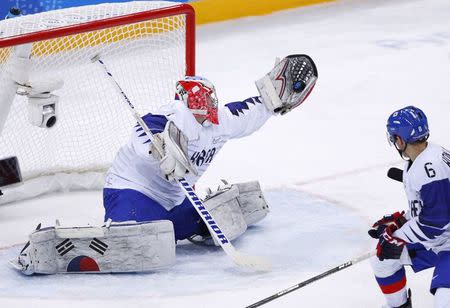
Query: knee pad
(225, 210)
(237, 206)
(117, 248)
(385, 268)
(251, 200)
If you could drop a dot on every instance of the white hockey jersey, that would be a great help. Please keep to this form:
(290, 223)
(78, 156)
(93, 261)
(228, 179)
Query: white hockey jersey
(133, 167)
(427, 186)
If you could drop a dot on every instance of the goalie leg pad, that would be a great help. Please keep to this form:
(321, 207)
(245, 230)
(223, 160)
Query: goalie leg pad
(225, 210)
(234, 208)
(119, 248)
(251, 200)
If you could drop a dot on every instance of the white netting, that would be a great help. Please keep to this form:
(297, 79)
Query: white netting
(146, 59)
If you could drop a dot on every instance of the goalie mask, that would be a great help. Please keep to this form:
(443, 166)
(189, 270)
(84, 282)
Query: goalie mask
(199, 95)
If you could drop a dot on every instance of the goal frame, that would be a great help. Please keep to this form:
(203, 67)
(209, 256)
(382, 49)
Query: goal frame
(42, 184)
(178, 9)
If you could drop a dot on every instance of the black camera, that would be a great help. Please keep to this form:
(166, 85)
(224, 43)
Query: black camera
(9, 172)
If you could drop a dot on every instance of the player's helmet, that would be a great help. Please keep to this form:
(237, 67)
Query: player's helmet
(199, 95)
(409, 123)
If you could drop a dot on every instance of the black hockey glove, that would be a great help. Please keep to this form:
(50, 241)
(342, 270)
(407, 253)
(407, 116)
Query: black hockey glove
(389, 246)
(397, 219)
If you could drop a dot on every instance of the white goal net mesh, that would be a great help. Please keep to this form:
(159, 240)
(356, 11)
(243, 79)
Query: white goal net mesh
(146, 58)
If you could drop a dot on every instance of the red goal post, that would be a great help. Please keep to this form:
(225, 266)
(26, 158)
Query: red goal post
(178, 9)
(148, 46)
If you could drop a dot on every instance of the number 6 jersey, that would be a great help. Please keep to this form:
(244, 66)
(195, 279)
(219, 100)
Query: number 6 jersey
(427, 186)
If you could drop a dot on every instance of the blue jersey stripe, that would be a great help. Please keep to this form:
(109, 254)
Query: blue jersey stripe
(436, 203)
(430, 232)
(417, 235)
(239, 107)
(396, 277)
(409, 239)
(155, 122)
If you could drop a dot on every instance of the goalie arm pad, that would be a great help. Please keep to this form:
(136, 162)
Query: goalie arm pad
(288, 84)
(174, 161)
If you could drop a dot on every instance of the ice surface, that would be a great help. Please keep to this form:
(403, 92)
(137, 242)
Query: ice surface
(373, 57)
(296, 221)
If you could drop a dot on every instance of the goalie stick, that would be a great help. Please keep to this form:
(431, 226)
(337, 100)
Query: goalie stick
(311, 280)
(247, 261)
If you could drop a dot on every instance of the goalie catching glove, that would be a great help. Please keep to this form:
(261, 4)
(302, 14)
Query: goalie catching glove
(174, 161)
(288, 84)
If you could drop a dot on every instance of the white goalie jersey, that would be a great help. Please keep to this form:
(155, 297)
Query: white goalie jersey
(134, 168)
(427, 186)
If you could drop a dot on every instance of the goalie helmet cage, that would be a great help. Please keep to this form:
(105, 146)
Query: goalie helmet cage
(148, 45)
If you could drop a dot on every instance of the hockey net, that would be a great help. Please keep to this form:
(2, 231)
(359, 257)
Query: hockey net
(147, 45)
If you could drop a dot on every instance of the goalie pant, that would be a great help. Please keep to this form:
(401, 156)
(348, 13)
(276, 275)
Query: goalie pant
(131, 246)
(233, 207)
(427, 186)
(137, 190)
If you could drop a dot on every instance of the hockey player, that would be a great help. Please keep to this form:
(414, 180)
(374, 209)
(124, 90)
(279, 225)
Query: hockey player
(420, 237)
(139, 185)
(145, 210)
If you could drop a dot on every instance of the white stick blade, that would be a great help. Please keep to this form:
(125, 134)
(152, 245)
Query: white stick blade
(255, 263)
